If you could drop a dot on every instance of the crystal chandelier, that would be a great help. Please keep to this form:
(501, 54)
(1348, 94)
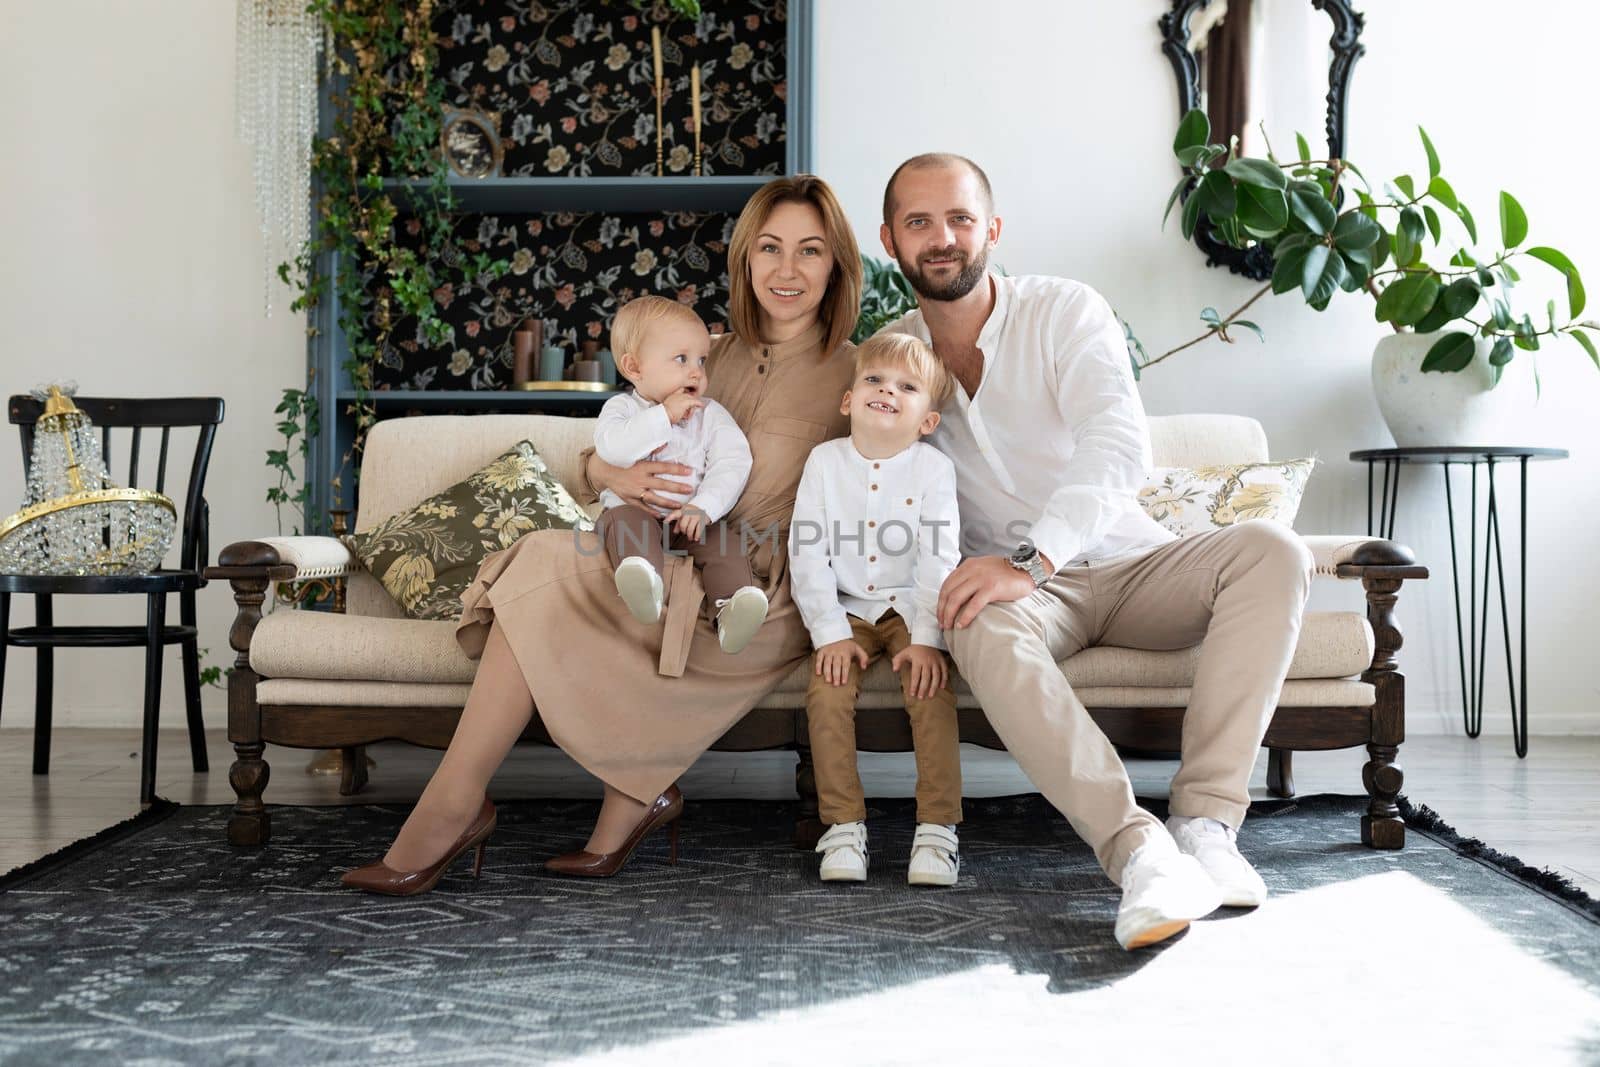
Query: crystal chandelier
(74, 521)
(275, 105)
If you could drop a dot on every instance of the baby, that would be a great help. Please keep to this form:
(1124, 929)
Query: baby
(661, 348)
(875, 534)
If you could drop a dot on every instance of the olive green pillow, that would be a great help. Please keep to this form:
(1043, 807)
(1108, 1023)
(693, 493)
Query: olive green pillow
(427, 556)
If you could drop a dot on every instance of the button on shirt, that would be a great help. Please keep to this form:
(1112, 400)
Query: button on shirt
(631, 428)
(870, 536)
(1054, 445)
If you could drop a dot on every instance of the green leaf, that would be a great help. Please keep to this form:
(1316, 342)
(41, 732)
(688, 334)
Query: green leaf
(1262, 212)
(1307, 204)
(1460, 297)
(1403, 183)
(1216, 195)
(1485, 279)
(1466, 220)
(1436, 319)
(1513, 221)
(1194, 129)
(1193, 155)
(1210, 317)
(1433, 157)
(1305, 149)
(1256, 172)
(1407, 299)
(1321, 276)
(1575, 294)
(1588, 346)
(1354, 232)
(1191, 214)
(1356, 273)
(1440, 190)
(1452, 352)
(1253, 328)
(1289, 268)
(1502, 352)
(1177, 191)
(1432, 217)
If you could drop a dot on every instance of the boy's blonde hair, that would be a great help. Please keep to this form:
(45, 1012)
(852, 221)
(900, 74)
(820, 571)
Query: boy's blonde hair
(634, 319)
(910, 353)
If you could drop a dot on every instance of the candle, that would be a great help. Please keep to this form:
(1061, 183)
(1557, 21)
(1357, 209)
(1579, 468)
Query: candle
(694, 96)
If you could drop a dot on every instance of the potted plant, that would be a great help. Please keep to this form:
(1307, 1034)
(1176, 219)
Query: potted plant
(1456, 332)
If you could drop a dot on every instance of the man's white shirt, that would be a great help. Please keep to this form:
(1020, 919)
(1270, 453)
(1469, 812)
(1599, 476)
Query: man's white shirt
(873, 535)
(709, 442)
(1054, 445)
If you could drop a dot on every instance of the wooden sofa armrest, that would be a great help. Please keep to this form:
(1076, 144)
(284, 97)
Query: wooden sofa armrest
(1359, 556)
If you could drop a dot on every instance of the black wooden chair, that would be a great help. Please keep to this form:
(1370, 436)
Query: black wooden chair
(137, 415)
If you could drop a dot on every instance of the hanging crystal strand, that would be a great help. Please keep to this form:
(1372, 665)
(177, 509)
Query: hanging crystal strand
(276, 114)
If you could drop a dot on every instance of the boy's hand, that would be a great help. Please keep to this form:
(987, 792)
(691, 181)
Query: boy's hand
(927, 673)
(681, 405)
(833, 661)
(689, 521)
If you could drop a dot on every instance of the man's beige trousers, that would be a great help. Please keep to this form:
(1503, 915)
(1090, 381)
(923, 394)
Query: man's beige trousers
(1241, 589)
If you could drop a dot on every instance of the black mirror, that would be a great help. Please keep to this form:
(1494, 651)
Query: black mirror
(1214, 47)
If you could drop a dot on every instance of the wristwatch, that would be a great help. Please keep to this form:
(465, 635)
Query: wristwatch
(1026, 559)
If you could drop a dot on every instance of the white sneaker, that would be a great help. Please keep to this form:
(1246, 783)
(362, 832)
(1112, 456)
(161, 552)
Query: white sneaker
(739, 617)
(1213, 843)
(1162, 891)
(640, 588)
(844, 852)
(935, 855)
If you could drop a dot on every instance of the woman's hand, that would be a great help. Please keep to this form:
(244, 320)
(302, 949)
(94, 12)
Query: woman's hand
(642, 483)
(926, 671)
(833, 660)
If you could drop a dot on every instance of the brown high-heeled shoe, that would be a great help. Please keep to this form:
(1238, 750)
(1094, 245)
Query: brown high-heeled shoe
(377, 878)
(667, 810)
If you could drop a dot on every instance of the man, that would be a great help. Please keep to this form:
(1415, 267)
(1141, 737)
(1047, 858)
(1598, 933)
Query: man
(1050, 444)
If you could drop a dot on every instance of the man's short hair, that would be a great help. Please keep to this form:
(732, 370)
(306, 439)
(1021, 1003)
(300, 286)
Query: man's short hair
(635, 318)
(929, 161)
(901, 350)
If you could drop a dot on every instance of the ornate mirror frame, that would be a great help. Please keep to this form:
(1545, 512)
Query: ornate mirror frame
(1256, 262)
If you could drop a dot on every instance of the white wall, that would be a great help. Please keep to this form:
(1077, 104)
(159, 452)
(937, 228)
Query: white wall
(130, 258)
(1070, 107)
(131, 262)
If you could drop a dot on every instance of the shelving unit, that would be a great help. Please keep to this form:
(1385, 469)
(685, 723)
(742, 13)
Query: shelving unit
(631, 194)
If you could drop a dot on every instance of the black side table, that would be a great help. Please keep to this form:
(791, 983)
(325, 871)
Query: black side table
(1471, 647)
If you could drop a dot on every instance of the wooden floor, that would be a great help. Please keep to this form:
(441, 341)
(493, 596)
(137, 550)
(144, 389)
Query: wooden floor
(1544, 809)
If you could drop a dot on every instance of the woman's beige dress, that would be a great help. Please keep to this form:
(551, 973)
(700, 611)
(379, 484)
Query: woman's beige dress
(635, 704)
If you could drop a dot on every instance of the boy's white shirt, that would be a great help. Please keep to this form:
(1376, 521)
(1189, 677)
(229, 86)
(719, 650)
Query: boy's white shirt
(903, 558)
(710, 442)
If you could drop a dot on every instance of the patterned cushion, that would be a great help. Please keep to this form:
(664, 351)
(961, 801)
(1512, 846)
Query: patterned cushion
(1194, 500)
(427, 556)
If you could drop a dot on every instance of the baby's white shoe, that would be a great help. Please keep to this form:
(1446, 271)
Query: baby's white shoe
(935, 855)
(844, 852)
(739, 617)
(640, 588)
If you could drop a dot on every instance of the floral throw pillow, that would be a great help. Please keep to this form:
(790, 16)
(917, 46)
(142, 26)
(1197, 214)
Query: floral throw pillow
(1193, 500)
(426, 557)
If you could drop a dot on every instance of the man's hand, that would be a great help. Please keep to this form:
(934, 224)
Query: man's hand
(681, 405)
(689, 521)
(978, 582)
(927, 672)
(642, 483)
(833, 660)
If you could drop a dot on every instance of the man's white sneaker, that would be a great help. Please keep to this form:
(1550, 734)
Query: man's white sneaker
(935, 855)
(844, 852)
(739, 617)
(1214, 844)
(1163, 890)
(640, 588)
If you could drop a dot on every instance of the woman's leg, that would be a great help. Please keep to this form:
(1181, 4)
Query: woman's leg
(498, 708)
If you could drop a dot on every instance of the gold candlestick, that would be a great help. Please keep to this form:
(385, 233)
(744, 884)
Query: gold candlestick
(694, 96)
(655, 43)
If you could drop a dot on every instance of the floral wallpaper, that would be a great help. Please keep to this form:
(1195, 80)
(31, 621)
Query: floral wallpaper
(570, 269)
(573, 83)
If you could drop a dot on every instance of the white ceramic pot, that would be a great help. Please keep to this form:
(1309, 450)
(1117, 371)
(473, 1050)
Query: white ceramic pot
(1450, 407)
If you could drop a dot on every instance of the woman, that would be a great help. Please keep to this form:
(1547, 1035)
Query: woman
(544, 617)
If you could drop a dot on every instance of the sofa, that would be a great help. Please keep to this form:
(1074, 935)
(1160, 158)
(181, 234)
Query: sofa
(365, 673)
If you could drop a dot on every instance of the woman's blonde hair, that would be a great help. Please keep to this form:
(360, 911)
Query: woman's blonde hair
(634, 319)
(842, 304)
(910, 353)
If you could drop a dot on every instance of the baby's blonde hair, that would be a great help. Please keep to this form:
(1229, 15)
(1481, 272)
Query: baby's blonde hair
(910, 353)
(633, 321)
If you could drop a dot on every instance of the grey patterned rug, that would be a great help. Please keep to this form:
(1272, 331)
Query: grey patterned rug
(164, 945)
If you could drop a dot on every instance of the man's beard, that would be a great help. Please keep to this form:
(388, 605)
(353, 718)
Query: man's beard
(965, 280)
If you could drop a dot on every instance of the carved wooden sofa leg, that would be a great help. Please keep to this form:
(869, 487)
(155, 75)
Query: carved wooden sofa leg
(1382, 826)
(352, 770)
(1280, 772)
